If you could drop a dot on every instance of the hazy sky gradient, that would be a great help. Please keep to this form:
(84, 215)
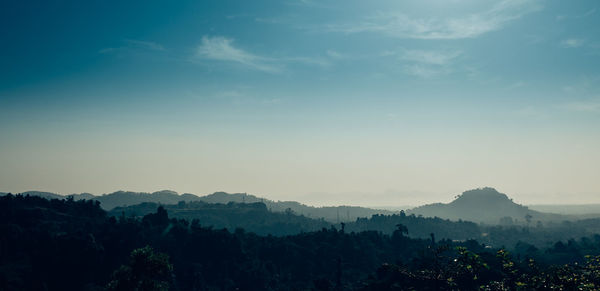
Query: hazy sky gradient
(326, 102)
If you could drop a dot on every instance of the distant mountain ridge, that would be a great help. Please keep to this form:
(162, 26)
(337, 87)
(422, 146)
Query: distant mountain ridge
(167, 197)
(485, 205)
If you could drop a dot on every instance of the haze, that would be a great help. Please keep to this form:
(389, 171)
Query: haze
(324, 102)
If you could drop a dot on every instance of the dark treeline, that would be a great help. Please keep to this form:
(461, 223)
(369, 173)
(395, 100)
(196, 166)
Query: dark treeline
(255, 217)
(75, 245)
(497, 236)
(123, 199)
(420, 227)
(252, 217)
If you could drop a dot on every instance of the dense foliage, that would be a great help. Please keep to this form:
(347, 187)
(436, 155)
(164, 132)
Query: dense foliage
(420, 227)
(252, 217)
(123, 199)
(75, 245)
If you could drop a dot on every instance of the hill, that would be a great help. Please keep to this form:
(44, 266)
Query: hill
(252, 217)
(45, 239)
(486, 205)
(329, 213)
(126, 198)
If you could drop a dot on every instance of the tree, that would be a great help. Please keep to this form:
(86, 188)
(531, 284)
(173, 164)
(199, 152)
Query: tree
(147, 270)
(528, 218)
(159, 218)
(401, 229)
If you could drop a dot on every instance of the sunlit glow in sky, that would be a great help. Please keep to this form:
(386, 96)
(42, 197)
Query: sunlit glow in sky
(325, 102)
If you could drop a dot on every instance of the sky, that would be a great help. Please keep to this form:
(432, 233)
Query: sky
(326, 102)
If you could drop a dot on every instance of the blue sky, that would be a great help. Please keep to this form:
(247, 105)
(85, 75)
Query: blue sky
(328, 102)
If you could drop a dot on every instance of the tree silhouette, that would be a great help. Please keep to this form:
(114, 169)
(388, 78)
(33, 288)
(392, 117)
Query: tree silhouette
(147, 270)
(159, 218)
(528, 218)
(401, 229)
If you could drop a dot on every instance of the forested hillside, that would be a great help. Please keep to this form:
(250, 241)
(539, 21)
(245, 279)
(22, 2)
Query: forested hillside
(253, 217)
(487, 205)
(45, 239)
(484, 205)
(127, 198)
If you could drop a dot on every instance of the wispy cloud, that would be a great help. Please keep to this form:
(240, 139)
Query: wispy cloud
(334, 54)
(306, 3)
(269, 20)
(424, 71)
(578, 16)
(428, 63)
(315, 61)
(133, 44)
(439, 58)
(473, 25)
(146, 44)
(572, 43)
(221, 49)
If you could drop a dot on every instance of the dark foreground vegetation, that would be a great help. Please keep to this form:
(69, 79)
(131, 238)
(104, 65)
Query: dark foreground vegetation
(75, 245)
(257, 218)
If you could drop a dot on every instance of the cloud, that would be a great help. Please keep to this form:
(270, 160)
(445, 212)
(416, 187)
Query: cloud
(334, 54)
(306, 3)
(316, 61)
(586, 14)
(269, 20)
(572, 43)
(430, 57)
(470, 26)
(428, 63)
(150, 45)
(221, 49)
(134, 45)
(424, 71)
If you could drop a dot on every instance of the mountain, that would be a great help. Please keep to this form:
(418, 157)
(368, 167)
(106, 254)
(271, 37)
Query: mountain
(329, 213)
(166, 197)
(126, 198)
(47, 195)
(485, 205)
(256, 217)
(120, 198)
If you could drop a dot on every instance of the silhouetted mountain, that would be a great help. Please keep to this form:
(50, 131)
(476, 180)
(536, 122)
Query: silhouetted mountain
(47, 195)
(330, 213)
(485, 205)
(122, 198)
(166, 197)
